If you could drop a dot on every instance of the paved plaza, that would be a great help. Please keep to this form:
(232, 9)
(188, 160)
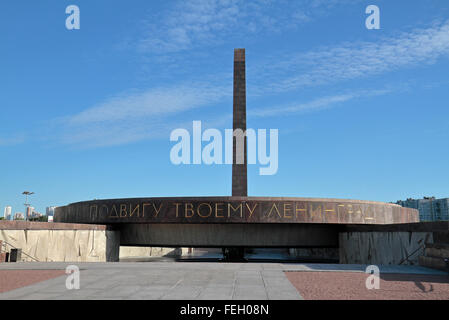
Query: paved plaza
(189, 280)
(351, 286)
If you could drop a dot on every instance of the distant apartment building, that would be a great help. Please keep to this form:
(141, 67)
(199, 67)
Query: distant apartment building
(36, 214)
(29, 212)
(50, 211)
(430, 209)
(7, 213)
(19, 216)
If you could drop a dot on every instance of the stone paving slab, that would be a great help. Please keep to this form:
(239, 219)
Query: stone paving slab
(160, 280)
(180, 280)
(405, 269)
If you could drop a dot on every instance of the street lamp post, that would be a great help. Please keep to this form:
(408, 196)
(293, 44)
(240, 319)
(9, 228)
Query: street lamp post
(27, 205)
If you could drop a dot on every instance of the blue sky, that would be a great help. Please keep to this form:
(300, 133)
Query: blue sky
(87, 113)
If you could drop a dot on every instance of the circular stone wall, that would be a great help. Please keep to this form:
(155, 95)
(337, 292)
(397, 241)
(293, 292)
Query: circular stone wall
(234, 210)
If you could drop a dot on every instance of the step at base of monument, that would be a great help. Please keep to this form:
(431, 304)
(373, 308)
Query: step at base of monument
(434, 263)
(437, 250)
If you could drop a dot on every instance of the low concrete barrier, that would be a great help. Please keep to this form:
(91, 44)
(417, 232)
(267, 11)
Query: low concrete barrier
(61, 242)
(389, 244)
(2, 253)
(385, 248)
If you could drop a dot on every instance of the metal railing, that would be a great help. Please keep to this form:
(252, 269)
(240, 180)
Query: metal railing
(5, 243)
(406, 259)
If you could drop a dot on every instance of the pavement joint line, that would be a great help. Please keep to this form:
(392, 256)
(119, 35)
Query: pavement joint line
(171, 288)
(264, 285)
(233, 286)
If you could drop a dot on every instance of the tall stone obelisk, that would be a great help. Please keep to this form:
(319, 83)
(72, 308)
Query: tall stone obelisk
(239, 171)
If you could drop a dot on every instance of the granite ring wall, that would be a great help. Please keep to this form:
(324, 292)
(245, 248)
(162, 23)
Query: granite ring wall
(234, 210)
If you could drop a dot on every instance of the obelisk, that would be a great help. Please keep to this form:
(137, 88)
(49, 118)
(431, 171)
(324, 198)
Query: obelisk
(239, 171)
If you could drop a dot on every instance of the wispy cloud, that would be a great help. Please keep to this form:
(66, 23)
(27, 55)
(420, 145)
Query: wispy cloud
(154, 102)
(12, 140)
(192, 23)
(187, 22)
(112, 134)
(136, 116)
(357, 60)
(142, 115)
(315, 105)
(96, 129)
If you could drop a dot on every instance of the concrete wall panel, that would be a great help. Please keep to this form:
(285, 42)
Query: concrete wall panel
(386, 248)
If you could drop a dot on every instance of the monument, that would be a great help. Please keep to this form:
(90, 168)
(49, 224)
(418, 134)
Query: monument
(237, 221)
(239, 176)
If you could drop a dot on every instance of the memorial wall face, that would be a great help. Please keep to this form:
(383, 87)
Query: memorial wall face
(234, 210)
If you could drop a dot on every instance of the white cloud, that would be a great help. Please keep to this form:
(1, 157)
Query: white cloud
(111, 134)
(315, 105)
(198, 22)
(151, 103)
(189, 22)
(13, 140)
(137, 116)
(357, 60)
